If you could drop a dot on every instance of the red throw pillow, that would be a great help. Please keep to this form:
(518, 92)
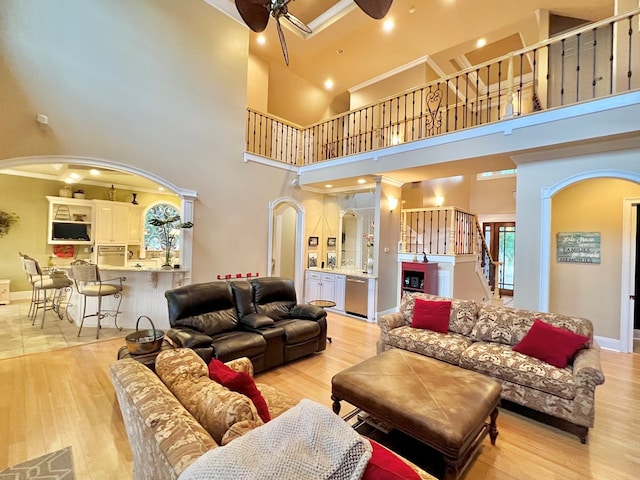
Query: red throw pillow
(550, 344)
(431, 315)
(240, 382)
(386, 465)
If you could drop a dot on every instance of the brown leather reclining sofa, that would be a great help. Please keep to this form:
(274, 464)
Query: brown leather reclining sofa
(256, 318)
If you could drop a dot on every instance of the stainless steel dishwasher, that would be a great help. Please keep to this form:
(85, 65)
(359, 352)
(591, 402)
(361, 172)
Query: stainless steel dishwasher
(356, 296)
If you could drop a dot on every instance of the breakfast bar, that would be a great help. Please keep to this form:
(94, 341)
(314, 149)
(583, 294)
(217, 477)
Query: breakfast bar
(143, 294)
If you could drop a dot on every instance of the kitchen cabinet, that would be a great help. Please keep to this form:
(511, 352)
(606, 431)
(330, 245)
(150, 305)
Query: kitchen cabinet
(136, 225)
(70, 221)
(112, 222)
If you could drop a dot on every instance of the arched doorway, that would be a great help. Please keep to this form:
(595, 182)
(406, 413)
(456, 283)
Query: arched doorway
(610, 216)
(285, 245)
(187, 197)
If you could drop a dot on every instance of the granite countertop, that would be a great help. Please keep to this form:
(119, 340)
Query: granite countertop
(142, 269)
(347, 272)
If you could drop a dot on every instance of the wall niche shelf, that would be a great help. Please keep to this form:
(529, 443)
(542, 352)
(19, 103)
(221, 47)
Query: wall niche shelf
(419, 277)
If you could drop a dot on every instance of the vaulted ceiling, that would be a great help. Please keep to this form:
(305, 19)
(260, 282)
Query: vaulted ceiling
(351, 48)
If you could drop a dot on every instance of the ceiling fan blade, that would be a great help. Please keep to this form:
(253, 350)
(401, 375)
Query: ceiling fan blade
(297, 22)
(283, 44)
(255, 14)
(375, 8)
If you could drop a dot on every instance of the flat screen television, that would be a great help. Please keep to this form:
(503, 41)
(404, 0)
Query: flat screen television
(70, 231)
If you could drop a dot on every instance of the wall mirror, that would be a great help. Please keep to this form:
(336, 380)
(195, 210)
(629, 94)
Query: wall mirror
(350, 233)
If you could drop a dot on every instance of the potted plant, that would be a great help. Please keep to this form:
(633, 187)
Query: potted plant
(171, 227)
(6, 220)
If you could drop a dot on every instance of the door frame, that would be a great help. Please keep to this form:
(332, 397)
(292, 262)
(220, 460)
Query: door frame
(299, 248)
(628, 272)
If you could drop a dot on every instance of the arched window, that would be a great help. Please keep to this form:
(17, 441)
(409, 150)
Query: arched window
(154, 240)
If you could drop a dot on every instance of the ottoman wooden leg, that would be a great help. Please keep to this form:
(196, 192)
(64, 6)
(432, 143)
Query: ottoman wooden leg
(493, 427)
(336, 405)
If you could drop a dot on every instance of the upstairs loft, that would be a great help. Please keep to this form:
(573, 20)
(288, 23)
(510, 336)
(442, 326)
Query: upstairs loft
(575, 88)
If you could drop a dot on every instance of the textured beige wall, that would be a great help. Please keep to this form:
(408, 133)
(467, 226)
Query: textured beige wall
(533, 179)
(590, 290)
(295, 99)
(258, 84)
(493, 197)
(155, 84)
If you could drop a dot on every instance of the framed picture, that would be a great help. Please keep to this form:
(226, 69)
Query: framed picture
(313, 241)
(332, 259)
(331, 241)
(313, 259)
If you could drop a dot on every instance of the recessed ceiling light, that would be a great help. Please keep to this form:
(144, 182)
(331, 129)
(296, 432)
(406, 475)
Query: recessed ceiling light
(481, 42)
(161, 189)
(388, 25)
(361, 181)
(328, 185)
(261, 39)
(340, 51)
(328, 84)
(74, 175)
(94, 172)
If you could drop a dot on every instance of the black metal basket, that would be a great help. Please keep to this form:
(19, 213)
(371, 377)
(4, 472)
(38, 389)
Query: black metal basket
(144, 341)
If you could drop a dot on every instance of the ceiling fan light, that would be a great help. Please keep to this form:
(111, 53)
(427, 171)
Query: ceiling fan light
(388, 25)
(261, 40)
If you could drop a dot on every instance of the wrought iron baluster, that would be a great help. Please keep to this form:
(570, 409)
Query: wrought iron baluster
(630, 34)
(455, 125)
(477, 120)
(594, 80)
(488, 93)
(611, 57)
(417, 229)
(577, 67)
(499, 87)
(447, 106)
(520, 84)
(446, 227)
(562, 71)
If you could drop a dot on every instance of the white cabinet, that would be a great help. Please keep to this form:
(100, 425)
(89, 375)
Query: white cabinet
(112, 222)
(312, 284)
(325, 286)
(136, 225)
(70, 221)
(340, 282)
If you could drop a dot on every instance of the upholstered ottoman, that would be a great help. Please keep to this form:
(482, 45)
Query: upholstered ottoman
(441, 405)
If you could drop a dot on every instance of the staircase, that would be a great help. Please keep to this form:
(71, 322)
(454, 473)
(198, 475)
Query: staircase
(449, 234)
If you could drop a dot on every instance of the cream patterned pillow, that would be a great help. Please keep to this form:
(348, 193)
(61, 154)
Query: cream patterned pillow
(463, 314)
(215, 407)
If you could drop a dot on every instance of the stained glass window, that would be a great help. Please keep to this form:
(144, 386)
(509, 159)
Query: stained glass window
(153, 237)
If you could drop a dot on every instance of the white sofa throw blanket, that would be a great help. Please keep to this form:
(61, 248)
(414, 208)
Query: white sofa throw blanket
(308, 441)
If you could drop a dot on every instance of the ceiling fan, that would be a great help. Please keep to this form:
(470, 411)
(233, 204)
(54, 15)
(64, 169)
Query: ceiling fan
(255, 14)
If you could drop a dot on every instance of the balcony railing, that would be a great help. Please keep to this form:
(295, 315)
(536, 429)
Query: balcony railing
(588, 63)
(438, 231)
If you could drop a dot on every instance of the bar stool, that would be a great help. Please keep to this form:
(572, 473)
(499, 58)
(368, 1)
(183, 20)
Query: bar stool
(89, 283)
(41, 298)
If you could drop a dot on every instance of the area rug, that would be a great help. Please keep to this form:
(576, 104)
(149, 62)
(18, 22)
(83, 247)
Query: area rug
(419, 453)
(52, 466)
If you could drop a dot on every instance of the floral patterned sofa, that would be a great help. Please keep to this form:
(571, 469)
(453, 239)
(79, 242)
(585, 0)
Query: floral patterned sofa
(482, 337)
(174, 418)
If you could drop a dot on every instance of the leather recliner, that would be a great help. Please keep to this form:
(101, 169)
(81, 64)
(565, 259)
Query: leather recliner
(259, 319)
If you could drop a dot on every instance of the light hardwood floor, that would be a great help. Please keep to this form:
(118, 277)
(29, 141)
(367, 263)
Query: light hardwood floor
(51, 400)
